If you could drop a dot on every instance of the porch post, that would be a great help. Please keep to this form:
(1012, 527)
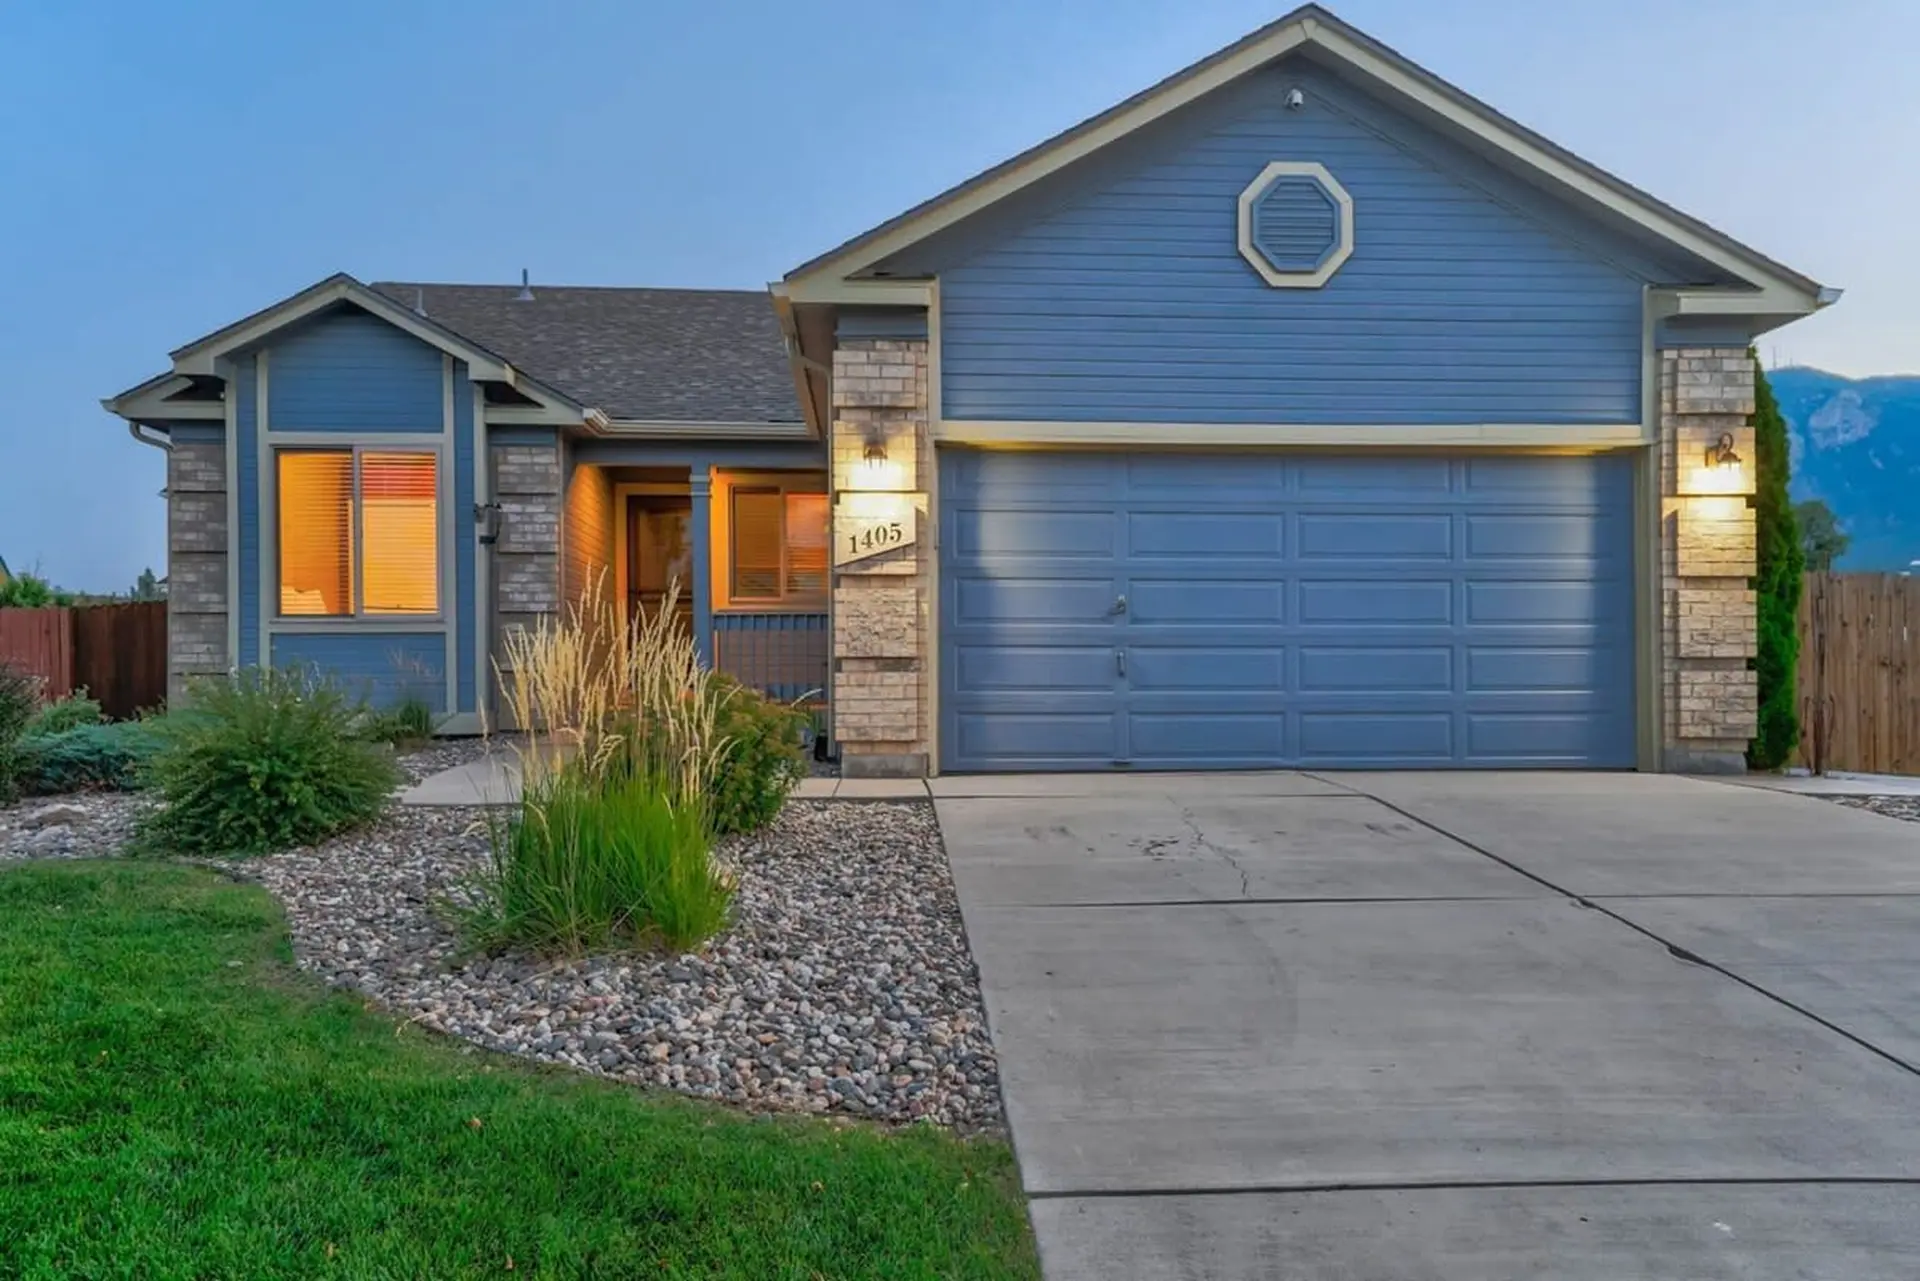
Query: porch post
(700, 534)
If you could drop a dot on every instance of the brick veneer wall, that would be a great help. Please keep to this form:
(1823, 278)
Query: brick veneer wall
(197, 605)
(1707, 559)
(526, 559)
(882, 642)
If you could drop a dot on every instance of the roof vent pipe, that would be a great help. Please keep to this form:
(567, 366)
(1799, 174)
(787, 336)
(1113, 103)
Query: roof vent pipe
(419, 302)
(526, 289)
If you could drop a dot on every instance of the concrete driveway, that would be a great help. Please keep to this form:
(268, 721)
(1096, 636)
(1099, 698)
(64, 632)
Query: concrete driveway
(1449, 1027)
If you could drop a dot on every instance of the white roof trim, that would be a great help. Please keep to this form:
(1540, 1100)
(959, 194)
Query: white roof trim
(1773, 288)
(148, 401)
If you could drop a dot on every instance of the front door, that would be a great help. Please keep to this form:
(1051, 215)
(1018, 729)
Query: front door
(659, 555)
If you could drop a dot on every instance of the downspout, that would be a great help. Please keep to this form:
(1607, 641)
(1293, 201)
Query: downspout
(160, 440)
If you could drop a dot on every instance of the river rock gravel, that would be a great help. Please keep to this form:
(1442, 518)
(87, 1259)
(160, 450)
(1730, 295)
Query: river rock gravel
(1901, 807)
(844, 984)
(83, 825)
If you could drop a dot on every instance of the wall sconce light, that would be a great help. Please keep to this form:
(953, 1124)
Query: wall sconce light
(487, 517)
(1720, 453)
(875, 452)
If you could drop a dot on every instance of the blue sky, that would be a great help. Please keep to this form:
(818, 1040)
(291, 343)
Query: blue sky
(165, 169)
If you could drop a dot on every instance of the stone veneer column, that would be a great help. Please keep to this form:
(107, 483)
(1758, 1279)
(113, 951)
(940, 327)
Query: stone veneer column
(882, 605)
(1709, 629)
(197, 605)
(526, 559)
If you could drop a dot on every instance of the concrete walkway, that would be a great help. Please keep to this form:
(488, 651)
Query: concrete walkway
(495, 780)
(1454, 1027)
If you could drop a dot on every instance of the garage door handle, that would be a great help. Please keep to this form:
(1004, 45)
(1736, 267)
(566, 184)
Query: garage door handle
(1119, 605)
(1120, 661)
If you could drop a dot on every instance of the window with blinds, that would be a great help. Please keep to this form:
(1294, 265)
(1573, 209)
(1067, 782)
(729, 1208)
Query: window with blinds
(780, 543)
(359, 533)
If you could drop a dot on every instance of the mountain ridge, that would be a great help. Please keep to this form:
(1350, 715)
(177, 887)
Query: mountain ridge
(1855, 445)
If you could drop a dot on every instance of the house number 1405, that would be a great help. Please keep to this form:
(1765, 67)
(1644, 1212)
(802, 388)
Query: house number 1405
(876, 538)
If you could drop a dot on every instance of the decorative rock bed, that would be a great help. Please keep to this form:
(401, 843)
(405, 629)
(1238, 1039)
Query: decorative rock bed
(844, 985)
(79, 826)
(1901, 807)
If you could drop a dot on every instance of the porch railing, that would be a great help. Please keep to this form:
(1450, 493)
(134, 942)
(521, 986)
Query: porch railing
(782, 655)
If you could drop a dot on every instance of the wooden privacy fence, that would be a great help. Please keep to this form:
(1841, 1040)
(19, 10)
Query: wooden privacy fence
(1859, 677)
(117, 653)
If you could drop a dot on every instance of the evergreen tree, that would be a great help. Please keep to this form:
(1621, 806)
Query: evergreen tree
(1777, 584)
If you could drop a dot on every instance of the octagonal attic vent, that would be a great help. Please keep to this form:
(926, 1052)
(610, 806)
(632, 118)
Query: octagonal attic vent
(1296, 224)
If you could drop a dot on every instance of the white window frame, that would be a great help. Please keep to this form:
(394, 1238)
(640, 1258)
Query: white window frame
(359, 445)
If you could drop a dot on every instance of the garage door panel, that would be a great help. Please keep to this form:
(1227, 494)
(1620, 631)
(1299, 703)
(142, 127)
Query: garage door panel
(1492, 604)
(1202, 739)
(1357, 738)
(1416, 478)
(1047, 668)
(1367, 669)
(1190, 602)
(1037, 740)
(1494, 668)
(1363, 535)
(1012, 534)
(1537, 737)
(1188, 667)
(1326, 603)
(1210, 535)
(1286, 610)
(1030, 600)
(1570, 536)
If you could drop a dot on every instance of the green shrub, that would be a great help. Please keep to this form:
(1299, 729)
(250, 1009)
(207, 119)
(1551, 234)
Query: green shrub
(1780, 564)
(19, 700)
(596, 859)
(264, 760)
(407, 723)
(86, 758)
(760, 759)
(64, 714)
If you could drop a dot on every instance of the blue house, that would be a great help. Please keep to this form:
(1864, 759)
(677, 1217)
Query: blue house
(1298, 410)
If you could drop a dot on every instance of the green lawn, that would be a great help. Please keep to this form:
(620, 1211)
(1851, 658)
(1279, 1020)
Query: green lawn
(177, 1101)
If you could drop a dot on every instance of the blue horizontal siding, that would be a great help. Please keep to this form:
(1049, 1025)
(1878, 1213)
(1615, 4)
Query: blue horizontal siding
(466, 612)
(247, 477)
(1118, 292)
(381, 667)
(349, 371)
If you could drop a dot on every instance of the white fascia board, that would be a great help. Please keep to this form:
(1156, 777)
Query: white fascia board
(855, 293)
(149, 402)
(674, 428)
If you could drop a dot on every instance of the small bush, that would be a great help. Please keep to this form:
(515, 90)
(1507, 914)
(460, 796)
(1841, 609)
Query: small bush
(264, 760)
(67, 713)
(19, 701)
(407, 723)
(86, 758)
(759, 761)
(598, 859)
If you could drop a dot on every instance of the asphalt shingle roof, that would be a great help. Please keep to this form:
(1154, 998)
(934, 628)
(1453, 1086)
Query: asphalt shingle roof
(682, 355)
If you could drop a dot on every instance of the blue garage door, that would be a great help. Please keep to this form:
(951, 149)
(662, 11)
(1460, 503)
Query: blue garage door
(1164, 611)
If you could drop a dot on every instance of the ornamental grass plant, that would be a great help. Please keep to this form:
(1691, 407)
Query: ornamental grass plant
(612, 842)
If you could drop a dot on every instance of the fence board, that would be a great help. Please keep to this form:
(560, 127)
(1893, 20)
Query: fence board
(1859, 673)
(39, 641)
(117, 653)
(120, 656)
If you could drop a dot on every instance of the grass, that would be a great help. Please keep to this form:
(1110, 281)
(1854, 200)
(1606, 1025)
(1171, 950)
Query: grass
(176, 1100)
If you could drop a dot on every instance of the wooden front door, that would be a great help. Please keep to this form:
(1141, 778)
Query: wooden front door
(659, 555)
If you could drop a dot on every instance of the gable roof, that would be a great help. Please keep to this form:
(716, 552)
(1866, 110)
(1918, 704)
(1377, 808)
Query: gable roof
(650, 355)
(705, 357)
(1774, 286)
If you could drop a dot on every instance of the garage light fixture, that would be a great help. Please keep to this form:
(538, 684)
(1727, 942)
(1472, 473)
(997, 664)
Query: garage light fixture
(1720, 452)
(875, 452)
